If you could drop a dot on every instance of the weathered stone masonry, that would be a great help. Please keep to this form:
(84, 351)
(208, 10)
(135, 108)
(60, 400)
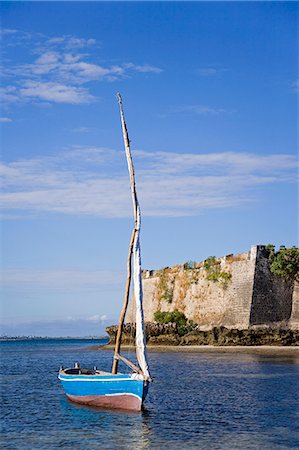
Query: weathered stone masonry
(252, 297)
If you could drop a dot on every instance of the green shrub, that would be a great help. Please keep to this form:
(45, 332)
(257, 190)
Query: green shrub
(170, 316)
(188, 265)
(285, 262)
(225, 276)
(184, 325)
(213, 276)
(271, 251)
(212, 267)
(210, 262)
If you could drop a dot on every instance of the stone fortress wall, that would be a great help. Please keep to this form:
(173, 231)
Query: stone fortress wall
(252, 296)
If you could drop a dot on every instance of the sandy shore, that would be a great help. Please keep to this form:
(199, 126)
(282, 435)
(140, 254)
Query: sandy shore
(259, 349)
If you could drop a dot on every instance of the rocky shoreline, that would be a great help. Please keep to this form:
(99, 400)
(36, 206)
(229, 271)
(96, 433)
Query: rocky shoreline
(167, 335)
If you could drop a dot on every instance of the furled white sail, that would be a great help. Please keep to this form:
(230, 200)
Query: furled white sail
(137, 277)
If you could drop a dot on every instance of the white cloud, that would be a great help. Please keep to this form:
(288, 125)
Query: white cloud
(68, 58)
(44, 64)
(55, 92)
(5, 120)
(82, 71)
(93, 181)
(60, 67)
(48, 58)
(74, 69)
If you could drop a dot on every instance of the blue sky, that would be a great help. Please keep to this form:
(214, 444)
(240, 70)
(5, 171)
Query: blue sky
(210, 93)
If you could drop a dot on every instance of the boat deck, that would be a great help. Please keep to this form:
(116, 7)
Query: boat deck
(82, 371)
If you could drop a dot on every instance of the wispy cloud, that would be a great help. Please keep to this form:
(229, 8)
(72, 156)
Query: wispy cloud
(82, 130)
(69, 326)
(55, 92)
(46, 287)
(13, 37)
(97, 318)
(8, 31)
(58, 69)
(295, 86)
(5, 120)
(9, 94)
(74, 67)
(93, 181)
(61, 279)
(210, 71)
(231, 162)
(195, 109)
(71, 41)
(200, 109)
(145, 68)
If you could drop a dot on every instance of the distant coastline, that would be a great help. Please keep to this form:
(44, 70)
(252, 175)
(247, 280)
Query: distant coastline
(48, 338)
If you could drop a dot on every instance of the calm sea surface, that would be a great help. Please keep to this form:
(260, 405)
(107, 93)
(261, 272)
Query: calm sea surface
(197, 401)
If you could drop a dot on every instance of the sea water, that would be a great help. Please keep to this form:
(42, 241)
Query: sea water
(196, 401)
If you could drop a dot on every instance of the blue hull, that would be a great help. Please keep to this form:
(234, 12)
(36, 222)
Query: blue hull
(112, 391)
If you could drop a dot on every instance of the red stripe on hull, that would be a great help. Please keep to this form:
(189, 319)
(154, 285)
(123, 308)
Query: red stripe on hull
(124, 401)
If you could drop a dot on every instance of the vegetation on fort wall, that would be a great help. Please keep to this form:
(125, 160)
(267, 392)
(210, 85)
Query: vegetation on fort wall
(184, 325)
(180, 278)
(169, 277)
(189, 265)
(165, 285)
(214, 272)
(285, 262)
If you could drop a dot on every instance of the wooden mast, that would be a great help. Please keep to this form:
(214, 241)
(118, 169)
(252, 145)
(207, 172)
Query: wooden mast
(129, 260)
